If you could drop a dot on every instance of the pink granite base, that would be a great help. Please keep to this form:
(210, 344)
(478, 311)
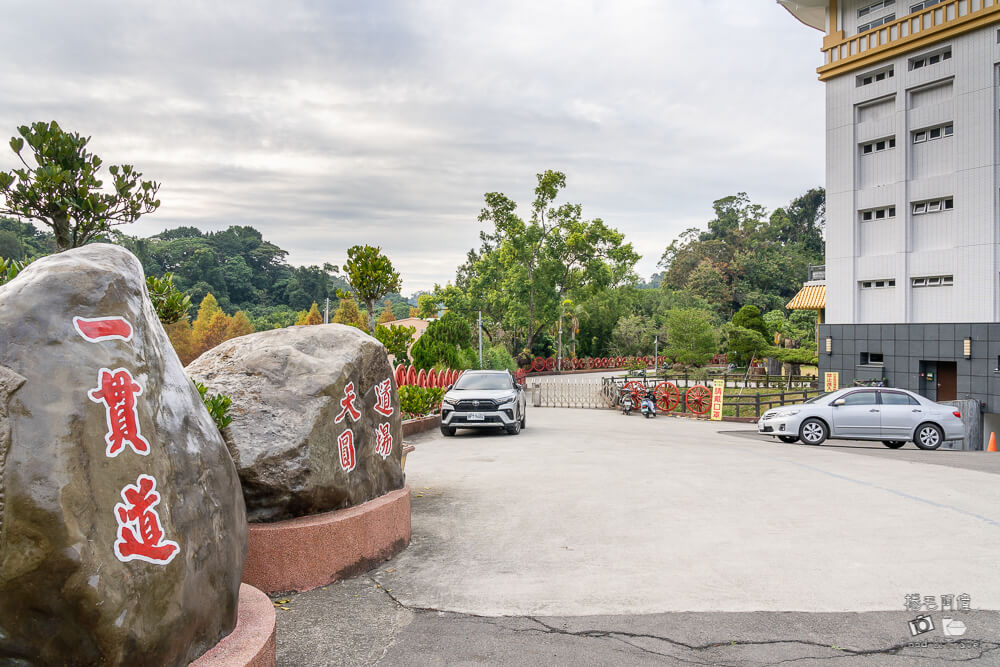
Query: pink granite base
(252, 642)
(303, 553)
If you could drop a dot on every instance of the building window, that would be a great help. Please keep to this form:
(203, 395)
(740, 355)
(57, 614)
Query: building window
(933, 281)
(929, 59)
(932, 133)
(878, 284)
(871, 359)
(877, 75)
(923, 5)
(933, 206)
(878, 146)
(883, 213)
(874, 7)
(874, 23)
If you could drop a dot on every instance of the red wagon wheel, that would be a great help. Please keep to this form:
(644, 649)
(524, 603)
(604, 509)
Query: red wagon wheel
(698, 399)
(667, 396)
(538, 364)
(550, 364)
(637, 389)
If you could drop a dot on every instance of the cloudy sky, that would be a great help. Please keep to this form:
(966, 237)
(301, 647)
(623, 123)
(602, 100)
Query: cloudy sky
(326, 124)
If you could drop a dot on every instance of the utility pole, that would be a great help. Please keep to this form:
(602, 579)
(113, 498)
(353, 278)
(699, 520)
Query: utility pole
(480, 339)
(326, 312)
(559, 355)
(656, 354)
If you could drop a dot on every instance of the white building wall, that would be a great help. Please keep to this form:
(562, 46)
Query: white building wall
(961, 242)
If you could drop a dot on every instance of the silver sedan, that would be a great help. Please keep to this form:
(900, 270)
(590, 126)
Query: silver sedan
(894, 416)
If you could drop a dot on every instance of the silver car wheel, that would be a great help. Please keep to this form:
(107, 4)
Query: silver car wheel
(813, 432)
(928, 437)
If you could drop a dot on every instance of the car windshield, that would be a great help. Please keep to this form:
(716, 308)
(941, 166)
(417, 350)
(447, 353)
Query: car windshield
(814, 399)
(483, 381)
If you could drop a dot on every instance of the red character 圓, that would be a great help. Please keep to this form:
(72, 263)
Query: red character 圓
(117, 390)
(345, 443)
(383, 395)
(347, 403)
(140, 536)
(383, 441)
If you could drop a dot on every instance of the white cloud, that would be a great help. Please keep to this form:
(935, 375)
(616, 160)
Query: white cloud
(328, 124)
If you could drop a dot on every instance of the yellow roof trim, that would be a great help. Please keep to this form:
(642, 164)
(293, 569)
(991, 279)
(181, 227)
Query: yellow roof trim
(810, 297)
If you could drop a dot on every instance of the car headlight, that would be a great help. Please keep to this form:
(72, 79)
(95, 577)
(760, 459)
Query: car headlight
(449, 401)
(791, 413)
(509, 398)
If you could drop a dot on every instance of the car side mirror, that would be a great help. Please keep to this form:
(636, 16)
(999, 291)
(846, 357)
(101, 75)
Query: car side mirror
(837, 403)
(450, 386)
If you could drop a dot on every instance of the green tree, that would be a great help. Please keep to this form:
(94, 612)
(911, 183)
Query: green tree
(427, 307)
(708, 282)
(690, 336)
(397, 341)
(347, 313)
(443, 343)
(311, 317)
(63, 187)
(632, 335)
(170, 303)
(744, 344)
(371, 276)
(749, 317)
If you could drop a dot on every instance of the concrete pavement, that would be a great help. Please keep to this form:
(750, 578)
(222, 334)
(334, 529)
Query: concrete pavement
(592, 538)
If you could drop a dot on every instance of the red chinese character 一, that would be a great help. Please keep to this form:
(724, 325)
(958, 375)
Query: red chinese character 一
(347, 403)
(345, 445)
(117, 391)
(140, 535)
(383, 396)
(383, 441)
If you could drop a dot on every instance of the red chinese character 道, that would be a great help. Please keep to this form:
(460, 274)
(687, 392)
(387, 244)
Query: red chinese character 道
(345, 442)
(140, 536)
(383, 441)
(117, 390)
(383, 394)
(347, 403)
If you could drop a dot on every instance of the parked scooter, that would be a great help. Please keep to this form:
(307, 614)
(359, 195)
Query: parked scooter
(648, 406)
(626, 402)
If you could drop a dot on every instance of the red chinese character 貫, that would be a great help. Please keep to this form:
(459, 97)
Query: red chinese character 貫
(347, 403)
(345, 443)
(383, 396)
(117, 390)
(140, 535)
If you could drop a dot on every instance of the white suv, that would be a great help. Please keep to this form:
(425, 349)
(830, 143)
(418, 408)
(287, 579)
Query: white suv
(484, 399)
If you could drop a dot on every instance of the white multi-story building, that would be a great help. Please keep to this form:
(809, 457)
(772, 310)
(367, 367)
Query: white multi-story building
(913, 192)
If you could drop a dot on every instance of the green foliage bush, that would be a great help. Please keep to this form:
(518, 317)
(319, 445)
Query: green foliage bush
(171, 304)
(217, 405)
(420, 401)
(9, 268)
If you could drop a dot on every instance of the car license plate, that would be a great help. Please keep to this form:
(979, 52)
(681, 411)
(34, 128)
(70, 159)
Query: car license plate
(476, 417)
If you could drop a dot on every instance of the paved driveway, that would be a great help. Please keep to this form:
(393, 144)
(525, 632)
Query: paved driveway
(593, 538)
(591, 512)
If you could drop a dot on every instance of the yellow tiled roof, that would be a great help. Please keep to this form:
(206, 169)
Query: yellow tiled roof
(810, 297)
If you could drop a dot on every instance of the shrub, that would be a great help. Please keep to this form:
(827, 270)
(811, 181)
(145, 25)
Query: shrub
(217, 406)
(420, 401)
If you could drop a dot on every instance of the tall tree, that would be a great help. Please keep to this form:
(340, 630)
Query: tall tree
(63, 187)
(371, 276)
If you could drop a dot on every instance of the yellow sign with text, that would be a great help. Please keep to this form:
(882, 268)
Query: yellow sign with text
(831, 381)
(718, 394)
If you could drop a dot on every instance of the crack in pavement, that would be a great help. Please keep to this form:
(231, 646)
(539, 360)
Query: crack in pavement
(624, 637)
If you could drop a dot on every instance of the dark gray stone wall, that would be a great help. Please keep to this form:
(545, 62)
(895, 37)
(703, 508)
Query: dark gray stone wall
(910, 349)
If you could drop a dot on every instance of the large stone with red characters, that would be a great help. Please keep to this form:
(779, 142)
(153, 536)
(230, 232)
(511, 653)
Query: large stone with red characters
(316, 420)
(122, 524)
